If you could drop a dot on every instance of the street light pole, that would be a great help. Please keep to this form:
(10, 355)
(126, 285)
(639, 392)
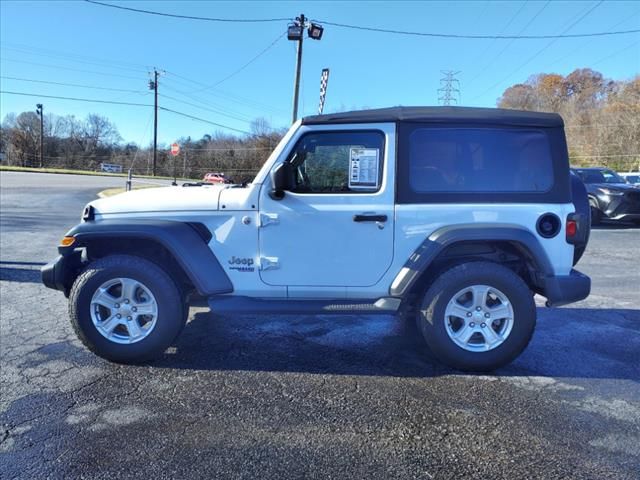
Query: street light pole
(153, 85)
(295, 32)
(296, 88)
(39, 111)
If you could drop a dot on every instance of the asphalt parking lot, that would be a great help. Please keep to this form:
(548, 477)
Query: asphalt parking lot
(307, 396)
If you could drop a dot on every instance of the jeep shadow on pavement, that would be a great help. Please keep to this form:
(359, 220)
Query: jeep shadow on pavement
(452, 216)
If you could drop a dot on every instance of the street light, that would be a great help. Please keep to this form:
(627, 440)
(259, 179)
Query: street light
(39, 111)
(295, 32)
(315, 31)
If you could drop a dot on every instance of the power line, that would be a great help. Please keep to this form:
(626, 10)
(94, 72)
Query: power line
(617, 52)
(582, 46)
(476, 37)
(70, 84)
(535, 55)
(367, 28)
(190, 17)
(74, 58)
(70, 68)
(235, 72)
(488, 64)
(203, 120)
(183, 102)
(248, 102)
(75, 99)
(213, 106)
(251, 149)
(234, 98)
(72, 55)
(93, 100)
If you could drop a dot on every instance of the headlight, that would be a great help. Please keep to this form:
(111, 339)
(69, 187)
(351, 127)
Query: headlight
(608, 191)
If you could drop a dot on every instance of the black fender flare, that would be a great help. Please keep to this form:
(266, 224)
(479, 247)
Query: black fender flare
(439, 240)
(187, 242)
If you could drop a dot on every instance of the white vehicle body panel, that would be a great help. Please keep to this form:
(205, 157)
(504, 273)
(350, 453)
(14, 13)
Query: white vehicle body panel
(163, 200)
(316, 241)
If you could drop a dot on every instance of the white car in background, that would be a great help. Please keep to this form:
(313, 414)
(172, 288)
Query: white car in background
(631, 177)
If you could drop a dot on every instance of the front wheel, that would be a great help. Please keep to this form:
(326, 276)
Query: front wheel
(126, 309)
(596, 213)
(477, 316)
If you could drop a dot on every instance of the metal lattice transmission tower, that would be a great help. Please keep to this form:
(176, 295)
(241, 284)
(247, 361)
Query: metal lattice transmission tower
(449, 91)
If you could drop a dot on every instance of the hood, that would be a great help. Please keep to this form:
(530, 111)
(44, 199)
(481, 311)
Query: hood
(621, 187)
(161, 199)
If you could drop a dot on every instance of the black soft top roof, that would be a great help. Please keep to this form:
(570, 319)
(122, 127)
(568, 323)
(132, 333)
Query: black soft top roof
(493, 116)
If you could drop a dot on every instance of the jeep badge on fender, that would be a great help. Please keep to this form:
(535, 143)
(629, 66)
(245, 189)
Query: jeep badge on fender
(456, 215)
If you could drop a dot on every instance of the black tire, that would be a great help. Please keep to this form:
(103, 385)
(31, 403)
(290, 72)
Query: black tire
(171, 308)
(596, 213)
(431, 317)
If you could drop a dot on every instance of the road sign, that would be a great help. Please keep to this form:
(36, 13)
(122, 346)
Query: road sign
(175, 149)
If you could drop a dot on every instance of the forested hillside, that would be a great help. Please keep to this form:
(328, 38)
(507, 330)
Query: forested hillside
(602, 118)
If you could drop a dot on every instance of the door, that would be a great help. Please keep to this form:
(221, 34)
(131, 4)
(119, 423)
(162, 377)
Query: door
(335, 227)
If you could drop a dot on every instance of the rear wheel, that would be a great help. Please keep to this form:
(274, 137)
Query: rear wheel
(126, 309)
(477, 316)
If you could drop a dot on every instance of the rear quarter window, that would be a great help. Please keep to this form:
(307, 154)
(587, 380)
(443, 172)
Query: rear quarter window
(479, 160)
(474, 163)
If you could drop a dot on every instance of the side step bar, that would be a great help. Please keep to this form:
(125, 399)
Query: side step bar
(228, 304)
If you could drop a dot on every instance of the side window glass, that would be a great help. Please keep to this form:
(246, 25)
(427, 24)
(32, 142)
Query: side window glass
(479, 160)
(338, 162)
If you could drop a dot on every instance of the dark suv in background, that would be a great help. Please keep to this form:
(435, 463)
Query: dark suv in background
(610, 196)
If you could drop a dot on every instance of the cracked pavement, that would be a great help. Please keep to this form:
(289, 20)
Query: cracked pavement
(307, 396)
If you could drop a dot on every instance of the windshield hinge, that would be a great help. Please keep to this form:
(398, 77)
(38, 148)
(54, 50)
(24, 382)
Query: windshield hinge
(268, 218)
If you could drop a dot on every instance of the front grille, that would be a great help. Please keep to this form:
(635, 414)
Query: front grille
(632, 197)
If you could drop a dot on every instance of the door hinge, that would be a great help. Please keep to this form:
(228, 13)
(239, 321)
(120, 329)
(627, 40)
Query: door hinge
(268, 218)
(269, 263)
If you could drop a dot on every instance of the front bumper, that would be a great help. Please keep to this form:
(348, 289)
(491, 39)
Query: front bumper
(564, 289)
(624, 207)
(61, 272)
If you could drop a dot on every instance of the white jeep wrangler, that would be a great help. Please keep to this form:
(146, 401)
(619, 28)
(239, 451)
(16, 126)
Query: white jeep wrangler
(456, 216)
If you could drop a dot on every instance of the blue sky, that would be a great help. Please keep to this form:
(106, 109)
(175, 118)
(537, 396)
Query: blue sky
(81, 43)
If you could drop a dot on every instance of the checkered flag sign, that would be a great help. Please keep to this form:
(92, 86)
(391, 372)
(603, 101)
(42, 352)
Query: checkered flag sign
(324, 80)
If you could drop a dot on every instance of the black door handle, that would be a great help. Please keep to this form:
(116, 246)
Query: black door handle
(369, 218)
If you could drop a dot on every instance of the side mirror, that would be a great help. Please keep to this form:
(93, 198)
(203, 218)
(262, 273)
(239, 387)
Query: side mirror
(282, 179)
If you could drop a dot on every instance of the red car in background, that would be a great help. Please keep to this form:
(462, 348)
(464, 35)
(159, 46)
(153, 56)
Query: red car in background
(215, 178)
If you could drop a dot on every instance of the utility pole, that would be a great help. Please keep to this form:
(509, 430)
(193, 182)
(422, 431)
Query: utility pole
(296, 87)
(184, 164)
(40, 112)
(449, 90)
(295, 32)
(153, 85)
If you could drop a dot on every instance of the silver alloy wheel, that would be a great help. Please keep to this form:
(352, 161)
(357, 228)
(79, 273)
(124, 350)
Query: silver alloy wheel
(124, 310)
(479, 318)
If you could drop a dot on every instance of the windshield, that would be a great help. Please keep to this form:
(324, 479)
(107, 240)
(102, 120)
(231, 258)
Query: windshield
(600, 176)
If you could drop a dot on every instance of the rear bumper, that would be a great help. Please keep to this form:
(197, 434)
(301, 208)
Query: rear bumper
(61, 272)
(564, 289)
